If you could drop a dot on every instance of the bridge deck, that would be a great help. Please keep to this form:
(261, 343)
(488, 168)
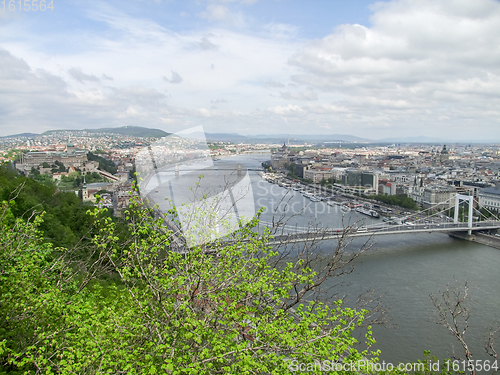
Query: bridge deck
(326, 234)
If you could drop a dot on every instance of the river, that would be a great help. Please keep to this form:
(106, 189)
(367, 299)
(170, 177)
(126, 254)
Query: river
(403, 269)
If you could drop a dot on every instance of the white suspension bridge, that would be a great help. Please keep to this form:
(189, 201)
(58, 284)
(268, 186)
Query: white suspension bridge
(419, 222)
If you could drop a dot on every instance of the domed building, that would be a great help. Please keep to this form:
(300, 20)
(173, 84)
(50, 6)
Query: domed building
(280, 157)
(444, 157)
(70, 148)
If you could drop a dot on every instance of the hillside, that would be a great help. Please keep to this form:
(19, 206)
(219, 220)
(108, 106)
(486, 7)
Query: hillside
(133, 131)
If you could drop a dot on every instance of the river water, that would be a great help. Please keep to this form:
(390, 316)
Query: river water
(403, 269)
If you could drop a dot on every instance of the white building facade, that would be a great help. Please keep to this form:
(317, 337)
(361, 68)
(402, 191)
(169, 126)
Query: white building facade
(489, 198)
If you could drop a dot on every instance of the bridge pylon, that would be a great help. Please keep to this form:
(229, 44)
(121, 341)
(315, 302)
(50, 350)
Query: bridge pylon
(470, 199)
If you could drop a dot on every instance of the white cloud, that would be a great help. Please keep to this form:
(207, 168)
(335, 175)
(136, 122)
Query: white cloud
(175, 78)
(81, 77)
(222, 14)
(289, 110)
(327, 109)
(37, 100)
(421, 66)
(281, 30)
(218, 101)
(205, 44)
(418, 56)
(293, 95)
(235, 1)
(273, 84)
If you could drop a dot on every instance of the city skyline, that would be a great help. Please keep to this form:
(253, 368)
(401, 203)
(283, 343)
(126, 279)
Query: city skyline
(369, 69)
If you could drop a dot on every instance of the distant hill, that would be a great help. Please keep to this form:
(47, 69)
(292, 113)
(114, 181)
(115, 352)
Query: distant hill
(137, 131)
(134, 131)
(316, 137)
(420, 139)
(233, 137)
(278, 138)
(226, 137)
(27, 135)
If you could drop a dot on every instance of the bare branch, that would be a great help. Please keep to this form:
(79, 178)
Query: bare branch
(453, 313)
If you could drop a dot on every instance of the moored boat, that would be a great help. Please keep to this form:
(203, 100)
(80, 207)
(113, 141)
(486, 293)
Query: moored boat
(365, 211)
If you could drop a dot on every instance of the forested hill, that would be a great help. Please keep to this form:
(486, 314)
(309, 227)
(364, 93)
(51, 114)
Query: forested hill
(65, 218)
(104, 164)
(133, 131)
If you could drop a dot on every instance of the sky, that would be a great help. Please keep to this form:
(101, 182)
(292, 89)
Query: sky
(400, 68)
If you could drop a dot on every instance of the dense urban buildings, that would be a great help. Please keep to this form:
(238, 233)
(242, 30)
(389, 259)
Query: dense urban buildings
(429, 174)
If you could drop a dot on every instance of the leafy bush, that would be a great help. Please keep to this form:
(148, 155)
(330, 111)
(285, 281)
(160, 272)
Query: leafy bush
(396, 200)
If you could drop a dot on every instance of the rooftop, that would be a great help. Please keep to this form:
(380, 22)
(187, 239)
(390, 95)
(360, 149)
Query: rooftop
(492, 190)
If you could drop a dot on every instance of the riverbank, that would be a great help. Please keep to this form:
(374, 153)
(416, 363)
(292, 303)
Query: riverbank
(482, 238)
(382, 208)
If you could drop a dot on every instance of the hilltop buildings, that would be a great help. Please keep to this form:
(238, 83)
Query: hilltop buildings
(71, 157)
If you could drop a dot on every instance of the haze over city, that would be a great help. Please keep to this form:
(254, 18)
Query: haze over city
(369, 69)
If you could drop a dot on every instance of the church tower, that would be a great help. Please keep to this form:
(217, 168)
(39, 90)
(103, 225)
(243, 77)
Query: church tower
(445, 156)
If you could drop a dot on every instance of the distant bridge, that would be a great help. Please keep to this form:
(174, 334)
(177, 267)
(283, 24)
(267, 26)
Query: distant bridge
(381, 229)
(437, 222)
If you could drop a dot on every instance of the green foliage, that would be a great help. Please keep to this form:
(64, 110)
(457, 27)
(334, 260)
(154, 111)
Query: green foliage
(44, 179)
(104, 164)
(60, 166)
(148, 306)
(486, 213)
(93, 177)
(65, 221)
(34, 172)
(396, 200)
(326, 182)
(171, 312)
(291, 167)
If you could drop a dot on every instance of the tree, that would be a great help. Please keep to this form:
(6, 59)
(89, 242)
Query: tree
(77, 181)
(454, 313)
(292, 169)
(44, 179)
(65, 221)
(227, 305)
(34, 171)
(104, 164)
(60, 166)
(398, 200)
(266, 165)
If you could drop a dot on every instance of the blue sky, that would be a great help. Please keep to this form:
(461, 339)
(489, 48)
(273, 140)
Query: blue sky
(371, 69)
